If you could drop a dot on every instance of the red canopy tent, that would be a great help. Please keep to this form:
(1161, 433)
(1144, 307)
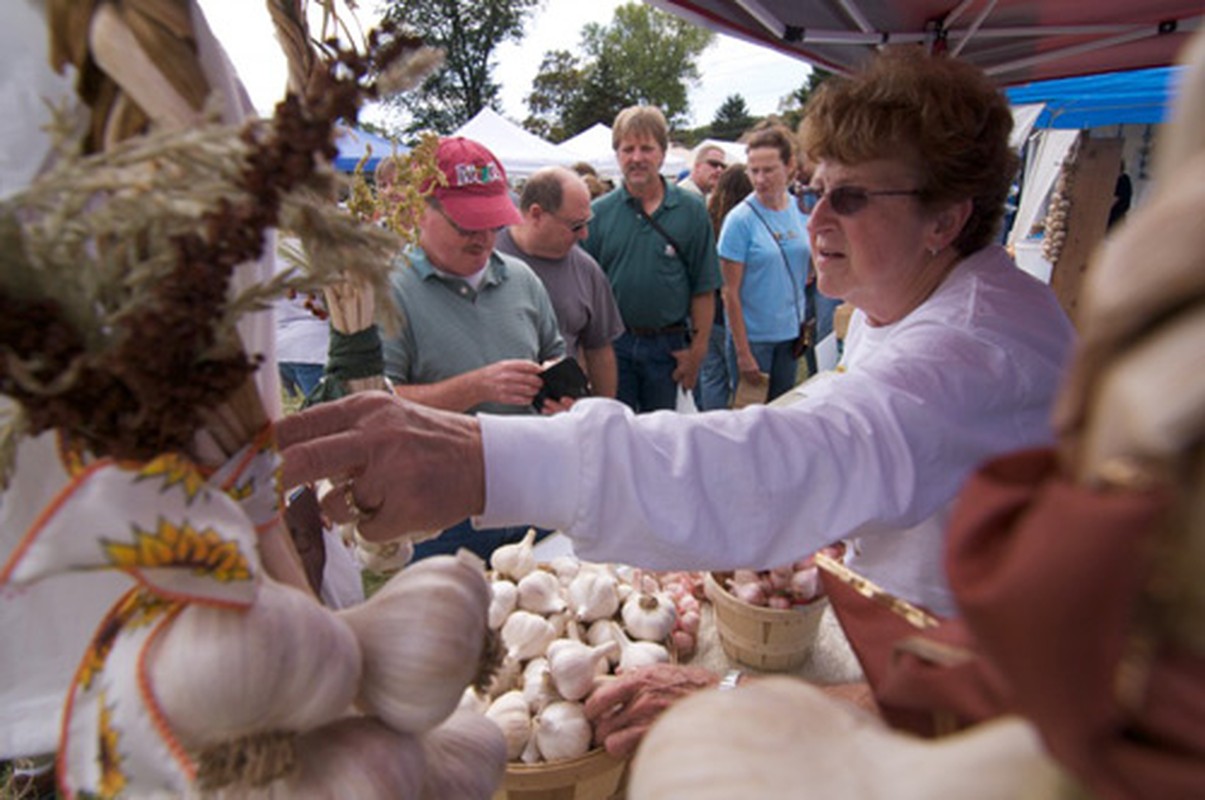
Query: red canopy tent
(1014, 41)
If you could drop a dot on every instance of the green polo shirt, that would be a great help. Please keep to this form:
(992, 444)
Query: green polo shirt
(449, 328)
(652, 285)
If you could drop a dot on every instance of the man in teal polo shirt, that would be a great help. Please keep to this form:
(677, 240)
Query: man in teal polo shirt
(476, 324)
(655, 243)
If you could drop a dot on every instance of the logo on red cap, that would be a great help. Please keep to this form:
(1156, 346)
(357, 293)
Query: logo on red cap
(475, 174)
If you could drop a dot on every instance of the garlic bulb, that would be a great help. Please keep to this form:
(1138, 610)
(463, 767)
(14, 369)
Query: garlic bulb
(566, 568)
(527, 635)
(540, 592)
(574, 666)
(538, 689)
(593, 595)
(354, 757)
(473, 700)
(514, 561)
(422, 634)
(509, 712)
(600, 632)
(633, 655)
(505, 677)
(284, 664)
(781, 737)
(466, 758)
(562, 731)
(504, 597)
(649, 616)
(531, 753)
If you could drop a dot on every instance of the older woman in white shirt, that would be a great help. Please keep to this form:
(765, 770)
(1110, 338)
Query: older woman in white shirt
(953, 356)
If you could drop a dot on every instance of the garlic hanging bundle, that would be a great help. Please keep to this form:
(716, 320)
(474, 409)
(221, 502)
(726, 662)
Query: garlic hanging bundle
(593, 595)
(423, 635)
(633, 655)
(574, 666)
(561, 731)
(504, 597)
(509, 712)
(286, 664)
(466, 758)
(527, 635)
(354, 757)
(540, 592)
(514, 561)
(649, 616)
(781, 737)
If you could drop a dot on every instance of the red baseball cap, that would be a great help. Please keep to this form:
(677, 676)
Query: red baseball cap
(477, 196)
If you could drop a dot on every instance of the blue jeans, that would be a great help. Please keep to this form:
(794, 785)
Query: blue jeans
(299, 378)
(482, 542)
(773, 358)
(646, 370)
(714, 389)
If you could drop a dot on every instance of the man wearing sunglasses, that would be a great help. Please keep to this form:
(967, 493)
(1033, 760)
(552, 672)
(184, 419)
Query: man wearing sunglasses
(477, 325)
(709, 163)
(555, 204)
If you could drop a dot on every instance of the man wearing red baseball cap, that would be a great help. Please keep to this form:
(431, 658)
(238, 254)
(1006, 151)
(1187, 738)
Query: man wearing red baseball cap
(476, 324)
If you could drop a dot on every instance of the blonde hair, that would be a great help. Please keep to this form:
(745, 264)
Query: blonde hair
(640, 121)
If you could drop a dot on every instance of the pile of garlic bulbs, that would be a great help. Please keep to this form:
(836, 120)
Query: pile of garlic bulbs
(564, 626)
(289, 699)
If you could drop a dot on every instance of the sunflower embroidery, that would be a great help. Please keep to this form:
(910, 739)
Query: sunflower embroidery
(174, 470)
(112, 779)
(170, 545)
(137, 608)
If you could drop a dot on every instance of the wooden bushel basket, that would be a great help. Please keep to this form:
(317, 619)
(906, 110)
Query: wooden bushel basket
(594, 776)
(768, 639)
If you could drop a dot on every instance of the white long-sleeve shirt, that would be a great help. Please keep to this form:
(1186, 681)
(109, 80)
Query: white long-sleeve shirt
(873, 453)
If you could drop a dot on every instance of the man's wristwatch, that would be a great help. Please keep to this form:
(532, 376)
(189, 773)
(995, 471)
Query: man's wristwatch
(730, 680)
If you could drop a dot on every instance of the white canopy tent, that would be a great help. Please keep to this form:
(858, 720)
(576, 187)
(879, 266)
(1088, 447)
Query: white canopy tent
(521, 152)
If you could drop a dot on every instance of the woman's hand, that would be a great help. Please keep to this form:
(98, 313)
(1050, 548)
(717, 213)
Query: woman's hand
(623, 710)
(397, 466)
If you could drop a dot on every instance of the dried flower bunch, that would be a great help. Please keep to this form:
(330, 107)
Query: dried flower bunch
(110, 252)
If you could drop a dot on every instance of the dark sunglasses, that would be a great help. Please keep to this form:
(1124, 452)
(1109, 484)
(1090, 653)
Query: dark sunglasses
(845, 200)
(574, 227)
(716, 164)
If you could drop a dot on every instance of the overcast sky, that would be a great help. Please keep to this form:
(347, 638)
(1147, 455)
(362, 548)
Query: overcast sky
(728, 67)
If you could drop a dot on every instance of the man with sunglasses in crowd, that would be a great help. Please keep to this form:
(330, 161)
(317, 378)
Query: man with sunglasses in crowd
(709, 163)
(477, 325)
(555, 204)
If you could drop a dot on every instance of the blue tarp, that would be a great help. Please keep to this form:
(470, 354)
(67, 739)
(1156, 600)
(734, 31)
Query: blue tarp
(1141, 96)
(354, 142)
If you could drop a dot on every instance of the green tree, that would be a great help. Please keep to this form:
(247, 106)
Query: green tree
(468, 31)
(643, 56)
(791, 106)
(556, 86)
(731, 119)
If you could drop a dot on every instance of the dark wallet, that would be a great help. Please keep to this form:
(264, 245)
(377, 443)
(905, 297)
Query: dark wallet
(565, 378)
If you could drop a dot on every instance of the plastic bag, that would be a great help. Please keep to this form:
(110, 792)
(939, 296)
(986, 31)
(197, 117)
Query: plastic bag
(686, 401)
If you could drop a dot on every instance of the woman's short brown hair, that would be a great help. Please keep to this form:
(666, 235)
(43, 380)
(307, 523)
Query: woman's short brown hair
(942, 111)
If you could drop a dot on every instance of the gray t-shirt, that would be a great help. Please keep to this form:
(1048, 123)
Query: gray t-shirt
(586, 312)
